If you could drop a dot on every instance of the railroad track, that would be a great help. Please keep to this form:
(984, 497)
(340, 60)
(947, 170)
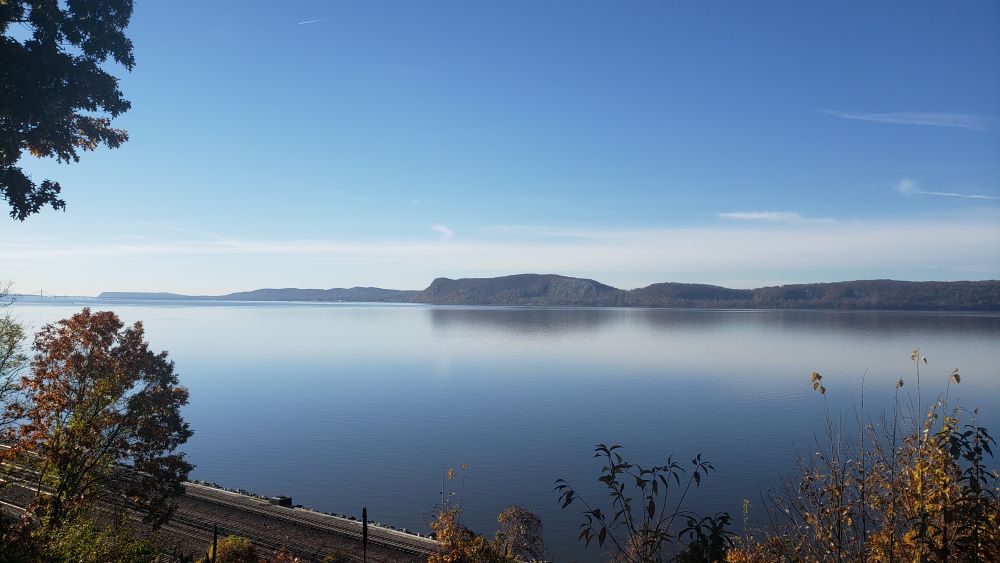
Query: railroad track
(379, 539)
(202, 530)
(302, 533)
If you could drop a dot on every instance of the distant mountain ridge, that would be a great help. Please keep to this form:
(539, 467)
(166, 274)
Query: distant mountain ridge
(357, 294)
(352, 294)
(556, 290)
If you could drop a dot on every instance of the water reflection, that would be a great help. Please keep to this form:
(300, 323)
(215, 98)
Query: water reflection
(520, 319)
(552, 320)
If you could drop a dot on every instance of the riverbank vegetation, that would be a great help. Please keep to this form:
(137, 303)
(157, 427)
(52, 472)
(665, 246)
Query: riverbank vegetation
(640, 525)
(905, 487)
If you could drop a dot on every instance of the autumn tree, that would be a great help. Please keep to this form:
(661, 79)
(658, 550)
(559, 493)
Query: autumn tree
(102, 414)
(12, 361)
(56, 98)
(520, 534)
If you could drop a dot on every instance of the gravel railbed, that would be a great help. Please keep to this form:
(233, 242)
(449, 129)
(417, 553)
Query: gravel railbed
(305, 533)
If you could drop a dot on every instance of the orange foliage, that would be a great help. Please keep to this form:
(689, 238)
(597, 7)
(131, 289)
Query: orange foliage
(97, 397)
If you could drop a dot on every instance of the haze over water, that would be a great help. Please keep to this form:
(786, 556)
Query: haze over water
(350, 405)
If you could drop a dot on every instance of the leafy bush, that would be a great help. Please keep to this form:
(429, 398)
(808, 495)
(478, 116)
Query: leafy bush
(460, 544)
(80, 540)
(919, 494)
(75, 539)
(646, 536)
(520, 534)
(233, 549)
(519, 537)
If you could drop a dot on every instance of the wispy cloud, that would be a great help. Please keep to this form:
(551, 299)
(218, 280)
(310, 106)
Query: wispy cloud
(307, 22)
(960, 120)
(907, 186)
(622, 257)
(509, 232)
(444, 230)
(763, 216)
(789, 216)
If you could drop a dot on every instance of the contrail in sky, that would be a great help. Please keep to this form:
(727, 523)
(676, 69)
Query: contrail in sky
(907, 186)
(962, 120)
(310, 21)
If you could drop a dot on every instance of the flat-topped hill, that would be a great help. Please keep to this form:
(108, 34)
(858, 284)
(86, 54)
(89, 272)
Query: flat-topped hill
(521, 289)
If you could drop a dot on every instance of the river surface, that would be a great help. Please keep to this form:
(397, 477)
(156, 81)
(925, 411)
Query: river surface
(348, 405)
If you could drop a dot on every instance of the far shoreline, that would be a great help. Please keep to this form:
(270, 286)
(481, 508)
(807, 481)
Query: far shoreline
(217, 301)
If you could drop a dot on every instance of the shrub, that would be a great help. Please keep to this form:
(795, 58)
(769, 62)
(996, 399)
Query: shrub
(646, 535)
(80, 540)
(233, 549)
(75, 539)
(923, 494)
(460, 544)
(520, 534)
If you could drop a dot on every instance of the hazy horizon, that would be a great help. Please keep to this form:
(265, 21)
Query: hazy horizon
(420, 288)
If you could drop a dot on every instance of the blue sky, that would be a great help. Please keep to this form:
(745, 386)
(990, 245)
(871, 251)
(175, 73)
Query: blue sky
(387, 143)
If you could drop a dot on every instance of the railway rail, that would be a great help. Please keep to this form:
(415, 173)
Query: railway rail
(203, 509)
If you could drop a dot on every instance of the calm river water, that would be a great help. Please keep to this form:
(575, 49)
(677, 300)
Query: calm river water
(345, 405)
